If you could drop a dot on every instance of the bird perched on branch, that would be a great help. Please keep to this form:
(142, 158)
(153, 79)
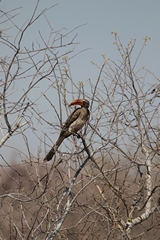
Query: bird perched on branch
(72, 125)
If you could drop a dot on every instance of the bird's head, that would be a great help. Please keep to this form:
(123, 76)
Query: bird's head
(81, 102)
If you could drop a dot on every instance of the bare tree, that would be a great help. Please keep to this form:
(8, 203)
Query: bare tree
(102, 185)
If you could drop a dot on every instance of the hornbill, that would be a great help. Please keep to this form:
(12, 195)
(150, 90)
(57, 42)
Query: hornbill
(73, 124)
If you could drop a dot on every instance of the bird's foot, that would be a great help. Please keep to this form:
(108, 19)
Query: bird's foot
(78, 135)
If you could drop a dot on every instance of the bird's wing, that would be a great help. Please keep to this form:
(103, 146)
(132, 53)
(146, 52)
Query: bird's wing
(88, 116)
(71, 119)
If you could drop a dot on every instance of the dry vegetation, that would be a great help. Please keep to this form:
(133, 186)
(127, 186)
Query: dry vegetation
(29, 206)
(104, 185)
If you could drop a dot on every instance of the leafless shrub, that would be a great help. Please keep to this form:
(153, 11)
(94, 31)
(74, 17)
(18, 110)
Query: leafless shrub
(104, 185)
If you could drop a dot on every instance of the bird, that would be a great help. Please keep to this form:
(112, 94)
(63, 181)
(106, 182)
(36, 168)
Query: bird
(73, 124)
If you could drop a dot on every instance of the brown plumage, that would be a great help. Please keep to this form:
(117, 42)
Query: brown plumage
(72, 125)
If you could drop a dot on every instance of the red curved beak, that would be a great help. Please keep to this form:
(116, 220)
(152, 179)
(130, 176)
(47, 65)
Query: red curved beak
(76, 102)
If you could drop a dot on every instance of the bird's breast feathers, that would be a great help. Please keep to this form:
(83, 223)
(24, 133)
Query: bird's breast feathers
(76, 125)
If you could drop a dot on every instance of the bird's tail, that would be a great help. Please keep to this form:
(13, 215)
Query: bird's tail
(54, 149)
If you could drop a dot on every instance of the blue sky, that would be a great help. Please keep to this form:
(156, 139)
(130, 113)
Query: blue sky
(131, 19)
